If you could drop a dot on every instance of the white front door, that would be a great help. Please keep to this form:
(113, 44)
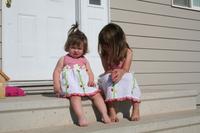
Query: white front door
(33, 36)
(93, 15)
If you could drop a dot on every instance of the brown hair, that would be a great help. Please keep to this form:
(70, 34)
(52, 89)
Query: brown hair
(76, 38)
(112, 45)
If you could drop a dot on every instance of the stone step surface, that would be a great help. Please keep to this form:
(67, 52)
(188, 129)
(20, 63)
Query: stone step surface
(175, 122)
(37, 111)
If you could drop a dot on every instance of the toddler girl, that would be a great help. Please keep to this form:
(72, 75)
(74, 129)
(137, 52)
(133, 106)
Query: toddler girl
(73, 77)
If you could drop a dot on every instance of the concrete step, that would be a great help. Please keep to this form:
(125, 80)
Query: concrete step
(171, 100)
(176, 122)
(37, 111)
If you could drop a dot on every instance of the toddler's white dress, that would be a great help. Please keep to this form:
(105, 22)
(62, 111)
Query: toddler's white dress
(74, 78)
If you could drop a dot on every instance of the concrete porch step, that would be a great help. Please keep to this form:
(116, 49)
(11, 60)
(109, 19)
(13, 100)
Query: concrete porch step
(37, 111)
(176, 122)
(170, 100)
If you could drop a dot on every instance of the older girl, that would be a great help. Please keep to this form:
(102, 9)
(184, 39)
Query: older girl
(117, 83)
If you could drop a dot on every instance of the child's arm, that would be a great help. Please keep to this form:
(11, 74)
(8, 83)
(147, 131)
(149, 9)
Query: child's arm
(56, 76)
(90, 75)
(118, 73)
(128, 60)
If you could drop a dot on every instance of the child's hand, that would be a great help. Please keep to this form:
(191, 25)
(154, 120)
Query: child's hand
(58, 92)
(91, 83)
(117, 75)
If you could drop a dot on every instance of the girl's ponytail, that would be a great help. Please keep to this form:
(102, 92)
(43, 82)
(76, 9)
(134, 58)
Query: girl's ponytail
(73, 29)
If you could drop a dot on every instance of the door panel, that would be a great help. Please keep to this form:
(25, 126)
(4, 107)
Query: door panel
(34, 33)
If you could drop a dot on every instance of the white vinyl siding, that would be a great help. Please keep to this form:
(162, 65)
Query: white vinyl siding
(165, 42)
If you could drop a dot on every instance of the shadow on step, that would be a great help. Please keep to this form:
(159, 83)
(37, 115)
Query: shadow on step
(122, 109)
(49, 94)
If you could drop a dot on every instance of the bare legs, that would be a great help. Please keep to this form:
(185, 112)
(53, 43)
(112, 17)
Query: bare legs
(78, 109)
(99, 103)
(135, 116)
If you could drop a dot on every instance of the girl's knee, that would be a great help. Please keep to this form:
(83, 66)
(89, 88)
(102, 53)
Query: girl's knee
(96, 96)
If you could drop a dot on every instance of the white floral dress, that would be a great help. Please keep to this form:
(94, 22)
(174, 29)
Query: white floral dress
(126, 89)
(74, 78)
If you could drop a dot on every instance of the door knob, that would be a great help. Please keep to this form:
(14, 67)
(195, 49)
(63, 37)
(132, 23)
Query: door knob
(8, 3)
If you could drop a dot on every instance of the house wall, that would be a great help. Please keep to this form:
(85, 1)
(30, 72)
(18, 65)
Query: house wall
(165, 42)
(0, 35)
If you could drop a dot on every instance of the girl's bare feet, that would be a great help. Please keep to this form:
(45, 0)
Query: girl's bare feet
(114, 119)
(105, 119)
(112, 113)
(135, 116)
(82, 122)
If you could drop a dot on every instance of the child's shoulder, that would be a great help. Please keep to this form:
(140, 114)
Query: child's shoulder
(62, 58)
(83, 58)
(129, 51)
